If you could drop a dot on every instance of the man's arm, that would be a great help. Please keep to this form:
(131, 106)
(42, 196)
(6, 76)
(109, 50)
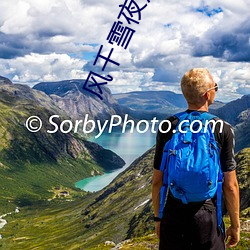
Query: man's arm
(157, 178)
(156, 187)
(232, 200)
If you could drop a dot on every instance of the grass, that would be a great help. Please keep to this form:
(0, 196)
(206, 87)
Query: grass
(31, 164)
(244, 243)
(150, 242)
(51, 225)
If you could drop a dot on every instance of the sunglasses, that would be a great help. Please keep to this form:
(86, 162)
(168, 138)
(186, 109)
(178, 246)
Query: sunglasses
(216, 87)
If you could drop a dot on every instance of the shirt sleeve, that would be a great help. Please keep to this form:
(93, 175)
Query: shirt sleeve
(227, 159)
(158, 150)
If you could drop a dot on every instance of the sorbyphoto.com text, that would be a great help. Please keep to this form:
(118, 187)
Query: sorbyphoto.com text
(88, 126)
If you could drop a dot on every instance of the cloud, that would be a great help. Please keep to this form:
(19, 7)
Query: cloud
(49, 26)
(12, 45)
(168, 74)
(171, 38)
(34, 68)
(231, 45)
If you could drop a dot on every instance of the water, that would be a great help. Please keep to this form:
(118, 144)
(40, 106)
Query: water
(3, 222)
(129, 146)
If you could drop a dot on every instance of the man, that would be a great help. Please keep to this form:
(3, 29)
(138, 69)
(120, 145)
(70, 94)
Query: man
(194, 225)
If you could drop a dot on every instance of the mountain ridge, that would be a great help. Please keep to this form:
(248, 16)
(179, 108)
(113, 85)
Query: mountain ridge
(230, 111)
(237, 113)
(70, 96)
(4, 80)
(158, 103)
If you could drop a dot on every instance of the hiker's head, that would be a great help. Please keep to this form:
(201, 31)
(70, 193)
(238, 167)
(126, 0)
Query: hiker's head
(198, 86)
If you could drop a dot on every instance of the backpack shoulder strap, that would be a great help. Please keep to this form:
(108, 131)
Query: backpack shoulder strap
(182, 115)
(208, 116)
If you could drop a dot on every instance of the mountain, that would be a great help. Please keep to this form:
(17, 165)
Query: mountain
(232, 110)
(70, 96)
(149, 104)
(237, 114)
(38, 166)
(243, 174)
(242, 130)
(76, 102)
(32, 163)
(216, 105)
(4, 80)
(162, 102)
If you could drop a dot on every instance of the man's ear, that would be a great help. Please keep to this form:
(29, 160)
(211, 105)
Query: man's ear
(207, 95)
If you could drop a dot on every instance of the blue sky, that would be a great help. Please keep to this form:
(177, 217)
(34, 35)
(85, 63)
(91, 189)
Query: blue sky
(58, 39)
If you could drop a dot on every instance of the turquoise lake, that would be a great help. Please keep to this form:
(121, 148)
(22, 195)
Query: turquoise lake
(129, 146)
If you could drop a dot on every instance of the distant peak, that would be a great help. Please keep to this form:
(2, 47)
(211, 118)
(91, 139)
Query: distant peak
(4, 80)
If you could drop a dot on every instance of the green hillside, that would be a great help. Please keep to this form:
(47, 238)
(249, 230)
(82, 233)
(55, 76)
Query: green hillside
(243, 175)
(87, 221)
(31, 164)
(123, 210)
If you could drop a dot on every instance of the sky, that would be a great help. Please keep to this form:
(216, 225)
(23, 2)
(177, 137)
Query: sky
(54, 40)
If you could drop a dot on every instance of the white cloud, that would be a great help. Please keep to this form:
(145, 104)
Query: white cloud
(35, 68)
(129, 81)
(47, 40)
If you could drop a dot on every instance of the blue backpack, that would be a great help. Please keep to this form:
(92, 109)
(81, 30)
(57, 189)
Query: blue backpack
(191, 162)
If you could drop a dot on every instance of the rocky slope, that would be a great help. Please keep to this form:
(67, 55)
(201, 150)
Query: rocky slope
(4, 80)
(127, 199)
(232, 110)
(76, 102)
(237, 114)
(242, 130)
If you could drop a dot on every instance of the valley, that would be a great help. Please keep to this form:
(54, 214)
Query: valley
(38, 171)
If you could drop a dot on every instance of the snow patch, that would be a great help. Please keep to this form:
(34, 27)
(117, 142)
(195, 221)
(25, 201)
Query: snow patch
(142, 204)
(143, 186)
(2, 223)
